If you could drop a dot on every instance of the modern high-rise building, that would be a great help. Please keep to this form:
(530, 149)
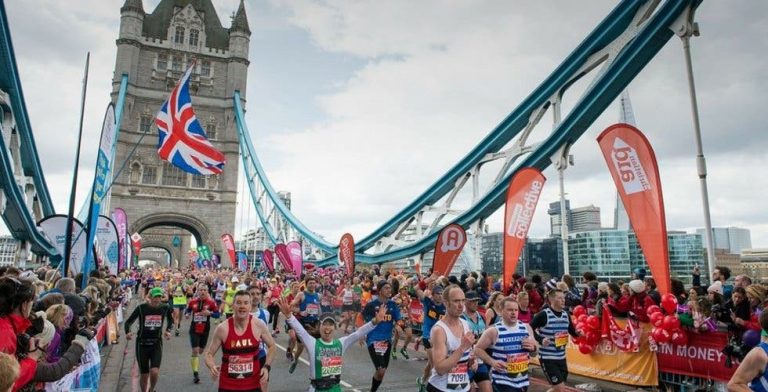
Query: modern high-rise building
(579, 219)
(555, 218)
(620, 217)
(732, 239)
(492, 252)
(9, 247)
(543, 256)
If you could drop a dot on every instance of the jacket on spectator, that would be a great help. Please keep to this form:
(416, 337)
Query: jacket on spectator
(10, 326)
(637, 303)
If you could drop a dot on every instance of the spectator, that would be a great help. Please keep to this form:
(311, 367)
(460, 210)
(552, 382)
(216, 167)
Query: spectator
(678, 289)
(742, 281)
(722, 274)
(740, 311)
(67, 288)
(650, 288)
(49, 300)
(572, 295)
(637, 303)
(9, 371)
(61, 318)
(524, 314)
(639, 273)
(535, 300)
(602, 298)
(16, 300)
(589, 296)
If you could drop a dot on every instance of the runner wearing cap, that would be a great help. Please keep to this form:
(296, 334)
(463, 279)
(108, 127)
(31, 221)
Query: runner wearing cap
(201, 308)
(240, 339)
(308, 302)
(149, 344)
(326, 353)
(452, 341)
(506, 348)
(477, 324)
(379, 341)
(434, 308)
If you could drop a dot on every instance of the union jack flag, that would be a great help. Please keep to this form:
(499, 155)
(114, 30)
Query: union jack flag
(182, 140)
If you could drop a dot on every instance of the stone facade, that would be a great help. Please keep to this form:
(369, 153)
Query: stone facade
(154, 50)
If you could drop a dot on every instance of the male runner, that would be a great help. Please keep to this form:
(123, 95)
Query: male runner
(507, 347)
(201, 308)
(263, 316)
(379, 341)
(434, 308)
(451, 343)
(149, 345)
(477, 324)
(179, 303)
(240, 339)
(551, 328)
(308, 302)
(403, 327)
(326, 353)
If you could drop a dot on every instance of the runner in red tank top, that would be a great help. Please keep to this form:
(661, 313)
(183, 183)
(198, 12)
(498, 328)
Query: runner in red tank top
(239, 338)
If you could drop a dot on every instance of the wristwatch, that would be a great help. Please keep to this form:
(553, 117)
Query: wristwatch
(268, 367)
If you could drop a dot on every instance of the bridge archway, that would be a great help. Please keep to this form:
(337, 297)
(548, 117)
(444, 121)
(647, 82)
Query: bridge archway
(160, 230)
(157, 253)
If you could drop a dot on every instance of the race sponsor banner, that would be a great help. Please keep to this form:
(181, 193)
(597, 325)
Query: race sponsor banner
(295, 256)
(269, 261)
(55, 227)
(282, 254)
(84, 377)
(522, 196)
(632, 165)
(416, 311)
(701, 357)
(347, 253)
(608, 363)
(121, 222)
(242, 261)
(229, 245)
(448, 247)
(108, 243)
(136, 244)
(100, 181)
(205, 252)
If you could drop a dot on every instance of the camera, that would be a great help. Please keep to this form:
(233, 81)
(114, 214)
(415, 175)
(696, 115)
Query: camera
(22, 345)
(734, 350)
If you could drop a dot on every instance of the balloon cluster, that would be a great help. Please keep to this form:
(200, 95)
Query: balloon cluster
(588, 327)
(666, 328)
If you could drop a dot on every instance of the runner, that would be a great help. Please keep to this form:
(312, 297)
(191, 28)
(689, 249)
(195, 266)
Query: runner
(752, 373)
(326, 353)
(451, 342)
(240, 340)
(201, 309)
(348, 312)
(263, 316)
(379, 341)
(149, 344)
(403, 327)
(477, 324)
(308, 302)
(434, 308)
(292, 339)
(551, 328)
(506, 347)
(179, 302)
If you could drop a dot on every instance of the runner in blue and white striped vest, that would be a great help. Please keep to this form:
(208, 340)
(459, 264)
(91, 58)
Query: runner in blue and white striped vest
(752, 374)
(507, 347)
(551, 328)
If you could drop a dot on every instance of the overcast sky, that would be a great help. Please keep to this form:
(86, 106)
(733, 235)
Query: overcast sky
(356, 107)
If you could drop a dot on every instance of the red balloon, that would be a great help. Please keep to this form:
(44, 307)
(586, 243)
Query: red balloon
(578, 311)
(585, 348)
(653, 309)
(582, 318)
(593, 322)
(671, 323)
(661, 335)
(669, 303)
(581, 327)
(657, 319)
(679, 337)
(592, 338)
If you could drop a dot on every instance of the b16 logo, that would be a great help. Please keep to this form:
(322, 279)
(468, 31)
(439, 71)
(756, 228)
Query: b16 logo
(629, 168)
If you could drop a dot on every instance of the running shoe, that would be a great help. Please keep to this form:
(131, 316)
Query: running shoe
(177, 332)
(394, 354)
(420, 383)
(197, 378)
(405, 353)
(292, 368)
(289, 355)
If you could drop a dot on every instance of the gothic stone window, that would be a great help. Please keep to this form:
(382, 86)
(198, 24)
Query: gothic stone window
(178, 60)
(205, 68)
(149, 175)
(179, 36)
(210, 130)
(145, 123)
(198, 181)
(174, 176)
(134, 174)
(194, 36)
(162, 61)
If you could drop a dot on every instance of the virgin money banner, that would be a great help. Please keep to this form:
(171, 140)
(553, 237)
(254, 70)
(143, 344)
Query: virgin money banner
(121, 222)
(448, 247)
(347, 253)
(633, 167)
(269, 260)
(107, 240)
(522, 197)
(295, 256)
(701, 357)
(282, 254)
(55, 227)
(229, 245)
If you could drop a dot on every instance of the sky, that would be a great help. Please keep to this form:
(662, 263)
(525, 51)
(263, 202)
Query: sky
(356, 107)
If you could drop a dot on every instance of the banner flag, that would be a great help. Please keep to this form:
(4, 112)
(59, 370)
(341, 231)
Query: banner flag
(632, 163)
(347, 253)
(85, 377)
(229, 245)
(522, 196)
(107, 239)
(269, 261)
(450, 242)
(702, 357)
(282, 254)
(136, 244)
(242, 261)
(295, 256)
(55, 227)
(100, 180)
(121, 222)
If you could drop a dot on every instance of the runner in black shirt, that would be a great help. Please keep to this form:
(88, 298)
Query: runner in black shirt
(149, 343)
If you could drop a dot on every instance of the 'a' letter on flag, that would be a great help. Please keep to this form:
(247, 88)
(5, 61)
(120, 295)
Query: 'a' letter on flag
(182, 140)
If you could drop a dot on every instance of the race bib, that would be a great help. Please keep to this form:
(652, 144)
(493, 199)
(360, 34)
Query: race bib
(561, 339)
(331, 366)
(517, 363)
(381, 347)
(313, 309)
(240, 366)
(153, 321)
(199, 318)
(458, 378)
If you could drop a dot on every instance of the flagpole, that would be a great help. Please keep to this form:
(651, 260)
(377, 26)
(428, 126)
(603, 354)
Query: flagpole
(70, 214)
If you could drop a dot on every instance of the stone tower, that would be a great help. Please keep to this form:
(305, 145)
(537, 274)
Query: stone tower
(164, 204)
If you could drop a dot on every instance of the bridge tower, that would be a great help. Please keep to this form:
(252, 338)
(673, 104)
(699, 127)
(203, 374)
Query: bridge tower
(154, 50)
